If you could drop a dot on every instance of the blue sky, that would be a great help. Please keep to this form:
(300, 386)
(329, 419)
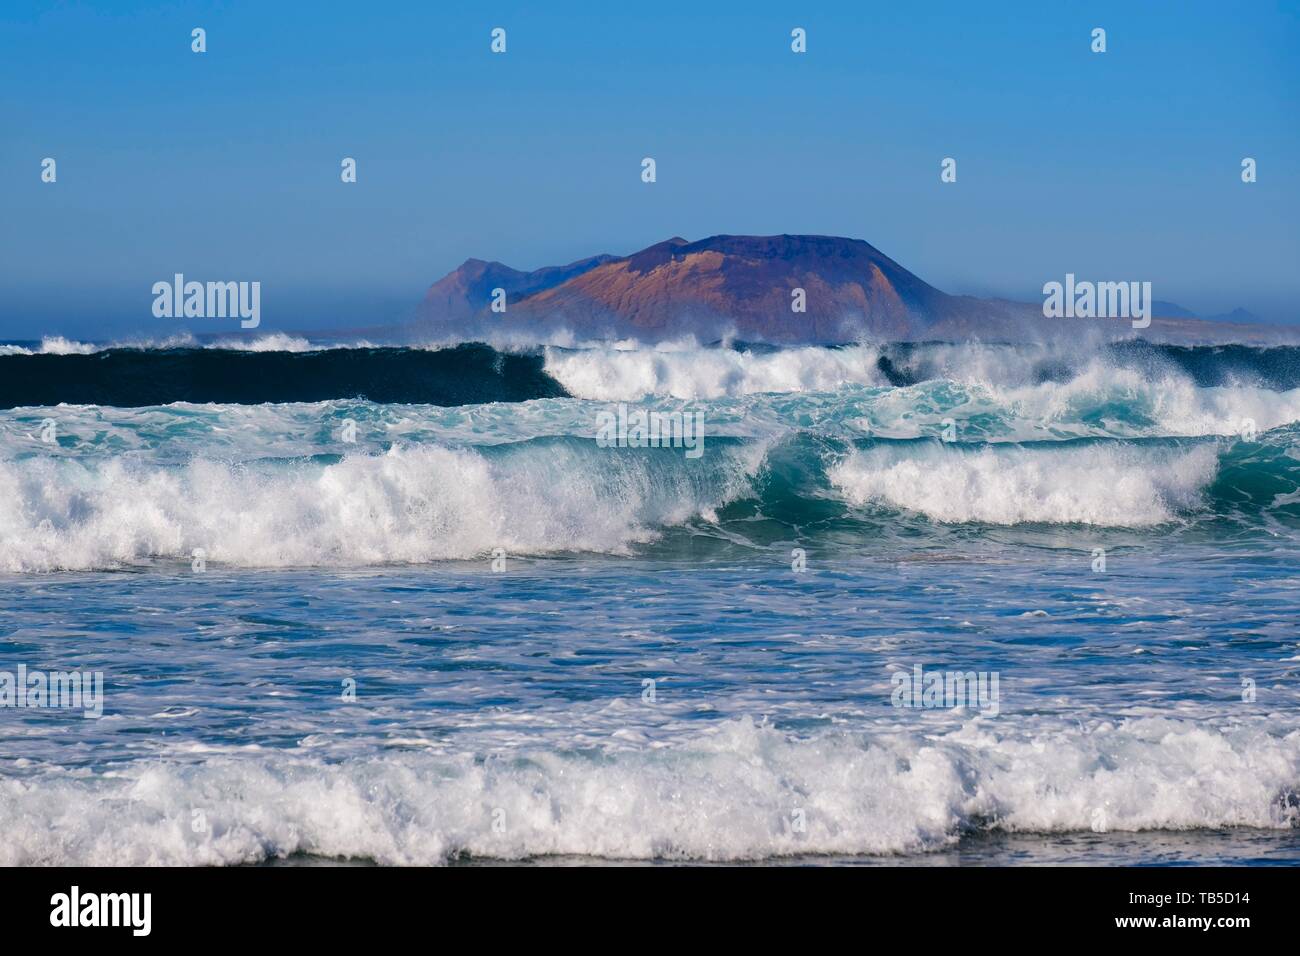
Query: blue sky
(225, 165)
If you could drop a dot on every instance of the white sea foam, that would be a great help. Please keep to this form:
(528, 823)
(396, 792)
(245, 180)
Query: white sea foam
(58, 345)
(268, 342)
(1097, 396)
(273, 342)
(413, 504)
(1109, 485)
(627, 371)
(52, 345)
(975, 363)
(1170, 401)
(732, 793)
(625, 374)
(282, 342)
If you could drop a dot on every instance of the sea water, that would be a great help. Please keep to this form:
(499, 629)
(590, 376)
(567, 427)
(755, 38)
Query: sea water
(467, 632)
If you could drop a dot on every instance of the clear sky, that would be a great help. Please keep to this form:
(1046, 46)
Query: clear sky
(225, 165)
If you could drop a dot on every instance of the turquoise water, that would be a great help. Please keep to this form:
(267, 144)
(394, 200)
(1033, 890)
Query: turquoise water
(472, 633)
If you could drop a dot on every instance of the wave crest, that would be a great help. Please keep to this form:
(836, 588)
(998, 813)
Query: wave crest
(1108, 485)
(731, 794)
(411, 505)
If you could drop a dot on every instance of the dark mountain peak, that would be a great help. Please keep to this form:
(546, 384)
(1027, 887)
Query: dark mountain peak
(654, 256)
(784, 246)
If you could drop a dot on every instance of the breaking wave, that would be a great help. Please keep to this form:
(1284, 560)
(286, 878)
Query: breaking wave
(424, 502)
(731, 794)
(409, 505)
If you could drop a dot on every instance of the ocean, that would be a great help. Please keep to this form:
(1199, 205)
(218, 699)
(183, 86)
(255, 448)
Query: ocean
(923, 603)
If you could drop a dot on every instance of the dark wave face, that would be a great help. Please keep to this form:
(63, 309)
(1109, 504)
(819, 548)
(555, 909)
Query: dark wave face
(1211, 366)
(476, 373)
(133, 377)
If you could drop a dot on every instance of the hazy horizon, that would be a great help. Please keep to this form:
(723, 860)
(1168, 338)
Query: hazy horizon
(225, 165)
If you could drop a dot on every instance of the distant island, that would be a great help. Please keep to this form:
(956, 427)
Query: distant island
(747, 287)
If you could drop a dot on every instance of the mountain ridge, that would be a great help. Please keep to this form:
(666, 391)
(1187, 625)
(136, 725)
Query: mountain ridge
(726, 286)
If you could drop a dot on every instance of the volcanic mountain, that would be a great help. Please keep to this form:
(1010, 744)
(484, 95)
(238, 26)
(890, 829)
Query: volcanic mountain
(744, 287)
